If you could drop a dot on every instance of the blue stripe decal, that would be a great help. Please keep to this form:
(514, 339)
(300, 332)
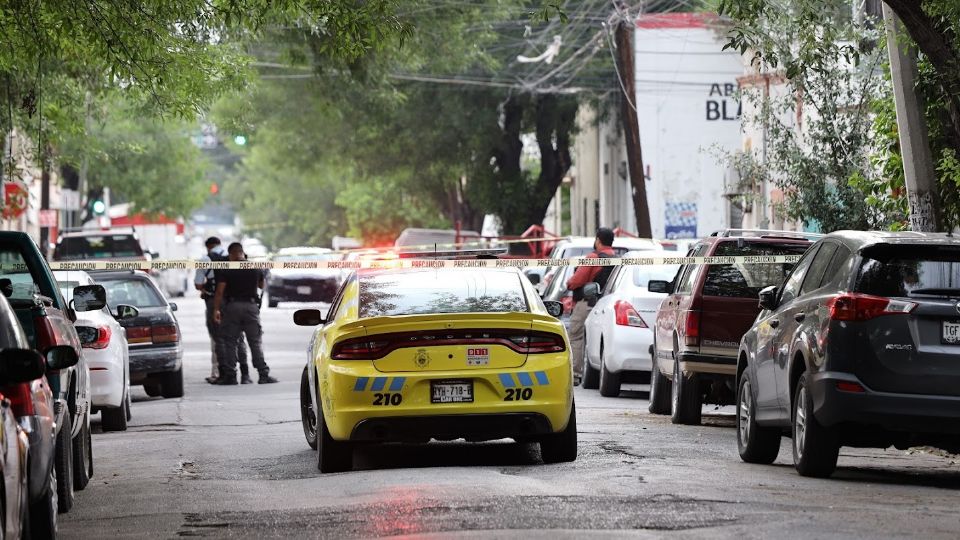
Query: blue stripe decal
(525, 378)
(397, 384)
(542, 379)
(361, 384)
(507, 381)
(378, 384)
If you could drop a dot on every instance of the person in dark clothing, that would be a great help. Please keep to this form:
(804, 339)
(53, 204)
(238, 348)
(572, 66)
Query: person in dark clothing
(205, 282)
(236, 306)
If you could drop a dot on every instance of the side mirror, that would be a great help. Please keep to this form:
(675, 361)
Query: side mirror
(533, 277)
(21, 365)
(658, 286)
(89, 297)
(308, 317)
(555, 309)
(173, 306)
(768, 298)
(61, 357)
(126, 312)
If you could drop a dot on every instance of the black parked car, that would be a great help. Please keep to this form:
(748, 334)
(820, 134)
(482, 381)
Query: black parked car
(153, 334)
(860, 346)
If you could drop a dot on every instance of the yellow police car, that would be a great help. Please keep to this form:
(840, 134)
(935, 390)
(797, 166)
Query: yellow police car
(413, 355)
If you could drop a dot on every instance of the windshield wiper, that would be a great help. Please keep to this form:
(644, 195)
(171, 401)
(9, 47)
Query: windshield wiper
(945, 291)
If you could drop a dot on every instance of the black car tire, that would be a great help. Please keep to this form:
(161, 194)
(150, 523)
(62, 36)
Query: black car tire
(659, 388)
(589, 376)
(63, 462)
(609, 382)
(685, 399)
(152, 390)
(332, 456)
(115, 418)
(561, 447)
(307, 416)
(83, 456)
(25, 511)
(127, 405)
(756, 443)
(43, 512)
(815, 446)
(172, 386)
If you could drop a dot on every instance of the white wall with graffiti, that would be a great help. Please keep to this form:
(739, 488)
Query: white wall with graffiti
(688, 112)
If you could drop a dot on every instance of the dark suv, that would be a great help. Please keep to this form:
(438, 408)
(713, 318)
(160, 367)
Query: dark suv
(709, 307)
(860, 346)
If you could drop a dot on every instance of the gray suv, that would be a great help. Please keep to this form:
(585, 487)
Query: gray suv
(860, 346)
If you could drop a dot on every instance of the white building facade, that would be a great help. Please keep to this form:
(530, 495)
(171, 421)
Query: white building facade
(689, 116)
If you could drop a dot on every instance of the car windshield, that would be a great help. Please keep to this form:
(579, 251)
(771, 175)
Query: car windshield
(645, 274)
(903, 270)
(452, 291)
(98, 247)
(745, 280)
(15, 277)
(309, 257)
(132, 292)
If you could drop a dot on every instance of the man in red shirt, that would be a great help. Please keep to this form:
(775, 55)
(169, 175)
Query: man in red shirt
(602, 246)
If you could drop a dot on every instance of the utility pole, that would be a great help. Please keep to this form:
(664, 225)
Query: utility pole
(918, 171)
(623, 37)
(44, 199)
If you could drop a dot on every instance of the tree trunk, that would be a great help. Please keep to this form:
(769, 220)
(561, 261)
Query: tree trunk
(937, 45)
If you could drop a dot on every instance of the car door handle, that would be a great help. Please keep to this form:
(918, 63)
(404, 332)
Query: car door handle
(774, 323)
(799, 317)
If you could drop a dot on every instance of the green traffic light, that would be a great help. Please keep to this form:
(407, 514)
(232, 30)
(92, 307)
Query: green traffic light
(240, 140)
(99, 207)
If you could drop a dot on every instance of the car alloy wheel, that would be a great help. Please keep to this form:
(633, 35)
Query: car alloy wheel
(308, 416)
(744, 420)
(800, 424)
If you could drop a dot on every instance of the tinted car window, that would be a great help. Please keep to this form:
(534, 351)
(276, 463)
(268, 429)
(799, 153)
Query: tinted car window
(746, 280)
(902, 270)
(836, 274)
(818, 267)
(791, 288)
(414, 293)
(98, 247)
(133, 292)
(21, 287)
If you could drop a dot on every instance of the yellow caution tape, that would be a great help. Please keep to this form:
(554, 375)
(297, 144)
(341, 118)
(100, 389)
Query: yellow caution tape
(402, 263)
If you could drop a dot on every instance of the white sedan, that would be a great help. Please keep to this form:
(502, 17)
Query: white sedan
(619, 335)
(105, 349)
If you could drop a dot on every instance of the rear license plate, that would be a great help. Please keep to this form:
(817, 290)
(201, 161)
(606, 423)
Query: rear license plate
(304, 290)
(951, 332)
(451, 391)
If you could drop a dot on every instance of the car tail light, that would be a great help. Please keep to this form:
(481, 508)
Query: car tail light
(627, 316)
(850, 387)
(164, 333)
(691, 329)
(537, 343)
(46, 337)
(863, 307)
(363, 349)
(139, 334)
(378, 346)
(99, 337)
(21, 399)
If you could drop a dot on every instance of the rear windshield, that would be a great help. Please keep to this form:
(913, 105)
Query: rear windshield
(572, 252)
(899, 270)
(746, 280)
(642, 275)
(98, 247)
(132, 292)
(451, 291)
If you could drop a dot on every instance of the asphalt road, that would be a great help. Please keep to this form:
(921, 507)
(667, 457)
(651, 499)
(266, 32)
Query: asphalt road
(232, 462)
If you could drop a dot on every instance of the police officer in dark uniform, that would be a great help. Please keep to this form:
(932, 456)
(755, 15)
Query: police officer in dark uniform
(206, 283)
(237, 309)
